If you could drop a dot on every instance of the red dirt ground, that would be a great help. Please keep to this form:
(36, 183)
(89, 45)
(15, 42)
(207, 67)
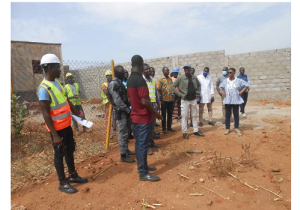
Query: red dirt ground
(267, 130)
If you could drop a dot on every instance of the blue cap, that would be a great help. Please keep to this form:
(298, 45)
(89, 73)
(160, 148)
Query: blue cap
(187, 65)
(176, 70)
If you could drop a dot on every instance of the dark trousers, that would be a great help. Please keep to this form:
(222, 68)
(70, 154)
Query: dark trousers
(245, 98)
(67, 150)
(167, 109)
(141, 135)
(178, 102)
(235, 108)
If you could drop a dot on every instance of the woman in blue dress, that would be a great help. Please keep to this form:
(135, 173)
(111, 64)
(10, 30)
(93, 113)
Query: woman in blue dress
(232, 98)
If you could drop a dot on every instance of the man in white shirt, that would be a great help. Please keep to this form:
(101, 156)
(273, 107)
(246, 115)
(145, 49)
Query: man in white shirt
(207, 96)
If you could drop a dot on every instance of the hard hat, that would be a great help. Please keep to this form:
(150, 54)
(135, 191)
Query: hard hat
(108, 72)
(49, 58)
(69, 75)
(176, 70)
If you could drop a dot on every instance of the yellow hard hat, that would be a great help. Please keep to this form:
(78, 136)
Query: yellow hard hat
(108, 72)
(69, 75)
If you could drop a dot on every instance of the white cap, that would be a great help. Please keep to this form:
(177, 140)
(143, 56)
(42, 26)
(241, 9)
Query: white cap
(49, 58)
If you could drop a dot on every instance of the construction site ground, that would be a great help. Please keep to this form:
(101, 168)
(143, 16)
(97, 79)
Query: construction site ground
(250, 183)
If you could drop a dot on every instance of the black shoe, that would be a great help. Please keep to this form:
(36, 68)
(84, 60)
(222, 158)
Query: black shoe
(127, 159)
(211, 123)
(131, 136)
(154, 145)
(191, 125)
(74, 178)
(149, 152)
(156, 136)
(165, 131)
(130, 152)
(200, 124)
(157, 125)
(66, 187)
(198, 133)
(185, 136)
(152, 168)
(149, 177)
(156, 133)
(171, 129)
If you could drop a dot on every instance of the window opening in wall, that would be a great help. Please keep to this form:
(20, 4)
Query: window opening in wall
(37, 69)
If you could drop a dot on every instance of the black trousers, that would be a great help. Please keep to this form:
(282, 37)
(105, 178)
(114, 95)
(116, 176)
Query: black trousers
(167, 109)
(178, 101)
(67, 150)
(245, 98)
(235, 108)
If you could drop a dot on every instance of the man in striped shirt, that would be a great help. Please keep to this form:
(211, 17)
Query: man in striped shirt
(153, 94)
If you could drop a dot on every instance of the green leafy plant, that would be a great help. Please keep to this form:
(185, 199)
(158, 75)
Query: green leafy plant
(18, 114)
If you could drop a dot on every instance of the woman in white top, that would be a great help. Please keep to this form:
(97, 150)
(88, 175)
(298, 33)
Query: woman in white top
(207, 96)
(232, 98)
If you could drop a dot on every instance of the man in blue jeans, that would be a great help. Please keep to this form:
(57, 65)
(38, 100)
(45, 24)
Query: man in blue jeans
(141, 116)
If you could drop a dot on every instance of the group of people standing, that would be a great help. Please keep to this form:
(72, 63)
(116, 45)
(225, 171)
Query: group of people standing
(137, 102)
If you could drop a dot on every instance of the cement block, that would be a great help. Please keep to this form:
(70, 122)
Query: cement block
(262, 85)
(275, 89)
(263, 77)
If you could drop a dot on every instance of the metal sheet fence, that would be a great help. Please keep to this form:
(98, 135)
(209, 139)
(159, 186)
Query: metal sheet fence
(32, 153)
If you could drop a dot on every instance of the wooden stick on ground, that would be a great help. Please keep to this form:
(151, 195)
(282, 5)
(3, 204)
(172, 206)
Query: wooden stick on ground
(100, 173)
(183, 175)
(217, 193)
(245, 183)
(195, 194)
(270, 191)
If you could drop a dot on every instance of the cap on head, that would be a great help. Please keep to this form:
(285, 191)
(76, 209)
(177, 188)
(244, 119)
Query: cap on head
(108, 72)
(69, 75)
(49, 58)
(176, 70)
(187, 66)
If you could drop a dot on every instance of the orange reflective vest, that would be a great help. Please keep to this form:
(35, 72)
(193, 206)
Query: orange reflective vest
(60, 111)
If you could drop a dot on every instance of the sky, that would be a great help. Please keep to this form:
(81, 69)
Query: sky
(104, 31)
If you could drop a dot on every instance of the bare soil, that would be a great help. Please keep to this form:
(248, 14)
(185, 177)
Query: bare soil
(267, 130)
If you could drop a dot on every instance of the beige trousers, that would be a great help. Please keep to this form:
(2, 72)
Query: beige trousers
(201, 111)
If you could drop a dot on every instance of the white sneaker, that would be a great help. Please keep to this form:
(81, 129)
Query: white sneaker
(244, 115)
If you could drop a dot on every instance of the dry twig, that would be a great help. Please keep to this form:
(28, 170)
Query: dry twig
(245, 183)
(146, 205)
(270, 191)
(195, 194)
(217, 194)
(101, 172)
(183, 175)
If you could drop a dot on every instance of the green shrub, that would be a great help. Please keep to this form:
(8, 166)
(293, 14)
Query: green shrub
(18, 114)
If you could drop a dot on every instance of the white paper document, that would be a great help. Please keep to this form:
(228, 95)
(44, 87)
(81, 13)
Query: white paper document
(85, 123)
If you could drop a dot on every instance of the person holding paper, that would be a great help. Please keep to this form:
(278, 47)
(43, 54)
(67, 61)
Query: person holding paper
(118, 98)
(72, 92)
(56, 110)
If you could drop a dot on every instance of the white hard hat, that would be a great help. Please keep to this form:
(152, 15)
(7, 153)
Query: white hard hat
(49, 58)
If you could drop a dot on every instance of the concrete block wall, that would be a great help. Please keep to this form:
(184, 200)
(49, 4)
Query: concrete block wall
(269, 71)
